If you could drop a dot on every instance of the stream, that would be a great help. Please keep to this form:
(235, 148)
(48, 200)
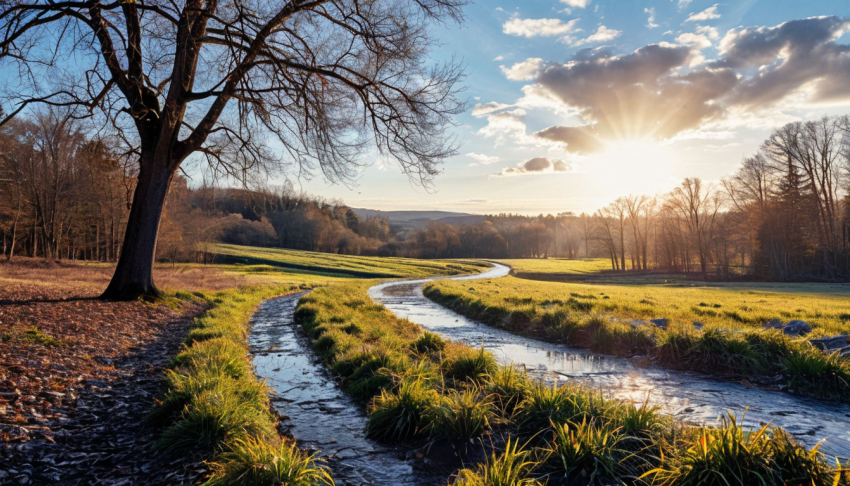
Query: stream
(687, 396)
(323, 418)
(315, 409)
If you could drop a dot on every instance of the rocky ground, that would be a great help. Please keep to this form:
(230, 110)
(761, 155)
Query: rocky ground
(77, 378)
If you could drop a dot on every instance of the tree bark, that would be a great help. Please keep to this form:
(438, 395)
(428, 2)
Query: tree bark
(133, 277)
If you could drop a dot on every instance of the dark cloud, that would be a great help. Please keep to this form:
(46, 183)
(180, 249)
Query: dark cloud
(633, 96)
(579, 140)
(659, 91)
(537, 165)
(789, 56)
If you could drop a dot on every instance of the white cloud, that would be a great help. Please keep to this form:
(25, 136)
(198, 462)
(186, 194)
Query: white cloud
(602, 34)
(684, 3)
(537, 165)
(707, 31)
(525, 70)
(708, 14)
(482, 158)
(484, 109)
(499, 58)
(650, 22)
(538, 27)
(698, 41)
(576, 3)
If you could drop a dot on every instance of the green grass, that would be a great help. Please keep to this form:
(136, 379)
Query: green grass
(253, 462)
(34, 336)
(557, 266)
(512, 467)
(418, 387)
(598, 317)
(215, 403)
(342, 265)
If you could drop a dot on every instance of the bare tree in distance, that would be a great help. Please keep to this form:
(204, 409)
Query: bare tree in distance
(323, 80)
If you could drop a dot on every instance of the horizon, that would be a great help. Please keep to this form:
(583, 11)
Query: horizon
(542, 118)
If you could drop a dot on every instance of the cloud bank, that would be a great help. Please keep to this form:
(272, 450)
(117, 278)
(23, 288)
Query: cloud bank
(537, 165)
(660, 91)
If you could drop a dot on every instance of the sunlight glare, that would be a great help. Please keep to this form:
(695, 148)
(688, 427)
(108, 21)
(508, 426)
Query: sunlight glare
(637, 166)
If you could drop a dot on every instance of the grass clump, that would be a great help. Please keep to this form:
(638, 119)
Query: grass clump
(252, 462)
(586, 451)
(402, 413)
(513, 467)
(731, 454)
(462, 415)
(508, 386)
(34, 336)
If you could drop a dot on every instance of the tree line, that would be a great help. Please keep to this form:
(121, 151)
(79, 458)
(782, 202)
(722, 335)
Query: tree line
(783, 215)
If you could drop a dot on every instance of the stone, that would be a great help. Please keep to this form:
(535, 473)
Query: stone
(698, 325)
(660, 323)
(774, 324)
(638, 323)
(797, 328)
(830, 344)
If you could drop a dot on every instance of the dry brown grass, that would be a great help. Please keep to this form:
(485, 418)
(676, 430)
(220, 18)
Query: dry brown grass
(37, 279)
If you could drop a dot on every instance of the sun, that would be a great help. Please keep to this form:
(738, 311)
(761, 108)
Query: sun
(635, 166)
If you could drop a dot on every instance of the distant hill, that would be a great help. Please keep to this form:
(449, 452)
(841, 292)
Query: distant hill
(407, 221)
(449, 217)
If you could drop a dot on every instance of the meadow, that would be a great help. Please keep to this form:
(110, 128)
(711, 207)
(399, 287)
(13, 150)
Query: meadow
(342, 265)
(613, 319)
(425, 392)
(557, 266)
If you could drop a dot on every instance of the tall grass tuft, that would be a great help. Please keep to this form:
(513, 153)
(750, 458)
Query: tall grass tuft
(586, 451)
(464, 363)
(508, 386)
(462, 415)
(402, 413)
(513, 467)
(252, 462)
(730, 454)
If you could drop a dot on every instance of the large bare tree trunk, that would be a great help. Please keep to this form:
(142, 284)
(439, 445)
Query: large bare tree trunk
(133, 276)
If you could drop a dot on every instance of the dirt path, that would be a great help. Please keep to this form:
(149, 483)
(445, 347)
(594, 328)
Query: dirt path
(77, 378)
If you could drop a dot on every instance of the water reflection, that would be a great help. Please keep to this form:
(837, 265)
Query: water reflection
(687, 396)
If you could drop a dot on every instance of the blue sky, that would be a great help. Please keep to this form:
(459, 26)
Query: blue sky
(542, 133)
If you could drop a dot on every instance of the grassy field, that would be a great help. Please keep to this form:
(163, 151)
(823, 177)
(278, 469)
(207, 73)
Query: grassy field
(730, 306)
(558, 266)
(343, 265)
(420, 389)
(731, 342)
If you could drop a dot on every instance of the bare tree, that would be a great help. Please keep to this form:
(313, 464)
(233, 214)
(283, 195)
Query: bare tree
(698, 206)
(326, 79)
(818, 149)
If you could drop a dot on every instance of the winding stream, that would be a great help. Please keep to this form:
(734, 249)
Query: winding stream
(687, 396)
(314, 408)
(323, 418)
